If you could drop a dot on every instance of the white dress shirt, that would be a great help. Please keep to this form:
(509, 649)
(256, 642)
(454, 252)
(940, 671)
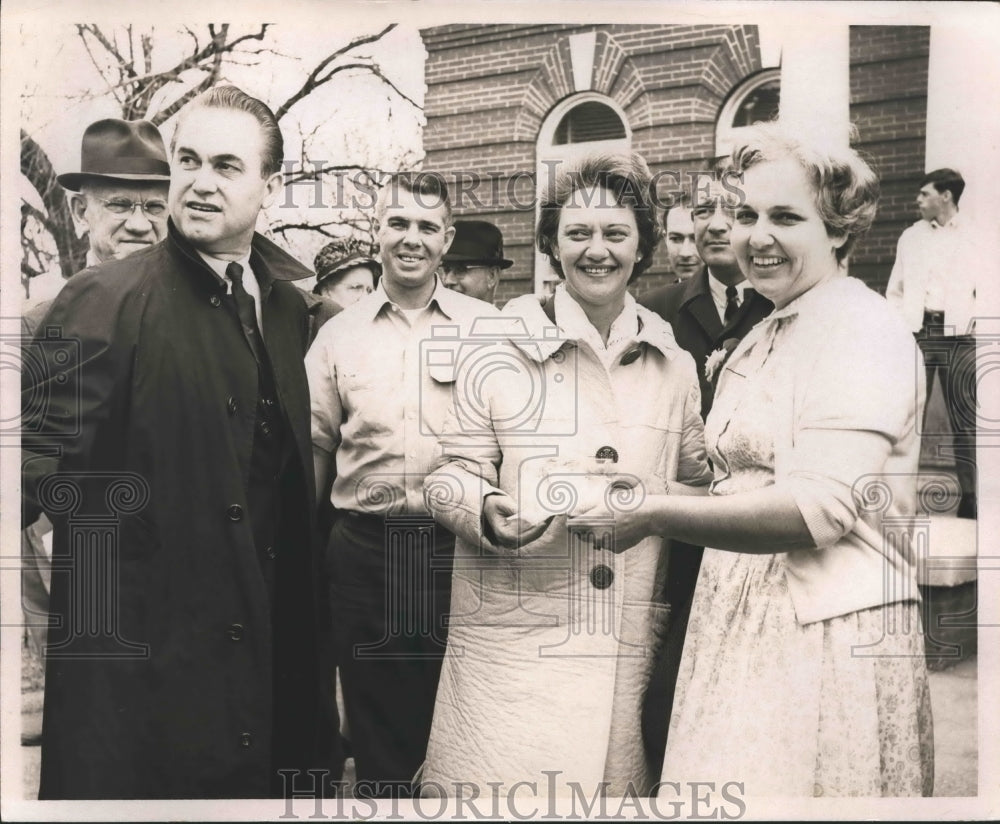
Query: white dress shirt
(249, 280)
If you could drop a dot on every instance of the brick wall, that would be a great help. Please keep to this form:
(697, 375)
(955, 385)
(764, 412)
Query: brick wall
(489, 89)
(889, 107)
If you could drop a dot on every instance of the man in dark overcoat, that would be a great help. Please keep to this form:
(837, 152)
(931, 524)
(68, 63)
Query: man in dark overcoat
(718, 304)
(169, 444)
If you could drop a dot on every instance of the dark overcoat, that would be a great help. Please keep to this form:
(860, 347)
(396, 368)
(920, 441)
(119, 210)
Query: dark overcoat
(688, 307)
(180, 663)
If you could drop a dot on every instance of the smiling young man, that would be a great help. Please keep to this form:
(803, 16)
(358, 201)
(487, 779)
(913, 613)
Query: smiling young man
(380, 398)
(192, 403)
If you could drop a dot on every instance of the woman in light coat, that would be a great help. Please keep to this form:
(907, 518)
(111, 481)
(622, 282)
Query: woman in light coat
(552, 635)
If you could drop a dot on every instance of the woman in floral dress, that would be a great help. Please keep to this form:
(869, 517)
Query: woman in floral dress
(803, 671)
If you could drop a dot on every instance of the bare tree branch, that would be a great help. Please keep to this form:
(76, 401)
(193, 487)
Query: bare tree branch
(316, 79)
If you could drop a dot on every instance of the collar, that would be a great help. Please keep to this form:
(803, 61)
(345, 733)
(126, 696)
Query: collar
(718, 289)
(696, 287)
(268, 260)
(220, 266)
(444, 298)
(574, 322)
(533, 333)
(823, 296)
(954, 223)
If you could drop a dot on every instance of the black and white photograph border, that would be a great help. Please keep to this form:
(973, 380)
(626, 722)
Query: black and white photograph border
(356, 100)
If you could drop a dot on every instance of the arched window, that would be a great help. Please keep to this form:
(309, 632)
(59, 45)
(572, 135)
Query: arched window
(577, 125)
(589, 122)
(755, 100)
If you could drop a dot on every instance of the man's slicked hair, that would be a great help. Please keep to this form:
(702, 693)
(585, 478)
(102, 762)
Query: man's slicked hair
(235, 99)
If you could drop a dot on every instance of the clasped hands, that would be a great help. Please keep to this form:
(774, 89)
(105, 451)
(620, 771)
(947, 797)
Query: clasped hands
(603, 496)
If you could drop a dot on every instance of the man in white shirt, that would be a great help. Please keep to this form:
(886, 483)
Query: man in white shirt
(933, 286)
(379, 403)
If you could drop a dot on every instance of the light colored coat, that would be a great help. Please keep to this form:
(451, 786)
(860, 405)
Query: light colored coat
(546, 669)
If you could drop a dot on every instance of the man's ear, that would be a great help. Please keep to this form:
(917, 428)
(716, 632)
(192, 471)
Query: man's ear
(449, 236)
(273, 186)
(78, 209)
(494, 272)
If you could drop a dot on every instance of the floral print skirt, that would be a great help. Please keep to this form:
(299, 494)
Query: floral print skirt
(833, 708)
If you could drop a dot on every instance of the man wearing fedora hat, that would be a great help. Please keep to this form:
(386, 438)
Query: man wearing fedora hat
(119, 200)
(185, 659)
(119, 196)
(473, 263)
(120, 192)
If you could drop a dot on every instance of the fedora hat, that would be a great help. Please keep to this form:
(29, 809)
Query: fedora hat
(477, 243)
(341, 254)
(120, 150)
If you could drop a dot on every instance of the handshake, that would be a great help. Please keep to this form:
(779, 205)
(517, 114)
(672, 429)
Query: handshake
(564, 494)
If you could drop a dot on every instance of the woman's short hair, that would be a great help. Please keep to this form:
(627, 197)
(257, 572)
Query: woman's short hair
(846, 187)
(626, 177)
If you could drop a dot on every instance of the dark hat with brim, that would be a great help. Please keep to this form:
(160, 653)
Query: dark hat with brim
(113, 149)
(477, 243)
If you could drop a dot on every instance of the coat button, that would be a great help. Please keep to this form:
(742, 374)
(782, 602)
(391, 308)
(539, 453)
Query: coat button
(607, 453)
(216, 301)
(231, 405)
(245, 739)
(271, 553)
(235, 513)
(630, 357)
(235, 632)
(265, 429)
(602, 576)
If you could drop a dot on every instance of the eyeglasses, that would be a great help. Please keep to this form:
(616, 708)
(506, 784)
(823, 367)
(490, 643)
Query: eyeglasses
(707, 210)
(124, 206)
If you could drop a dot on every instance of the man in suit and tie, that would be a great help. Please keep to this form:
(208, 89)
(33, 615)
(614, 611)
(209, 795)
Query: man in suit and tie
(717, 304)
(705, 311)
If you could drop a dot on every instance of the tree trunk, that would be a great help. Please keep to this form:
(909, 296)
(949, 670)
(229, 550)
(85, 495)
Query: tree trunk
(37, 168)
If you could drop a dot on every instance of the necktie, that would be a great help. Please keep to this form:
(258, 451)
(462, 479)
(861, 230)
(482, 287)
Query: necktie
(732, 303)
(245, 308)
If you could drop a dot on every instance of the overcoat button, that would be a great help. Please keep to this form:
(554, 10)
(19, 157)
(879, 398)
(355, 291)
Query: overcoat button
(231, 405)
(245, 739)
(216, 301)
(235, 513)
(630, 357)
(271, 553)
(265, 429)
(235, 632)
(602, 576)
(607, 453)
